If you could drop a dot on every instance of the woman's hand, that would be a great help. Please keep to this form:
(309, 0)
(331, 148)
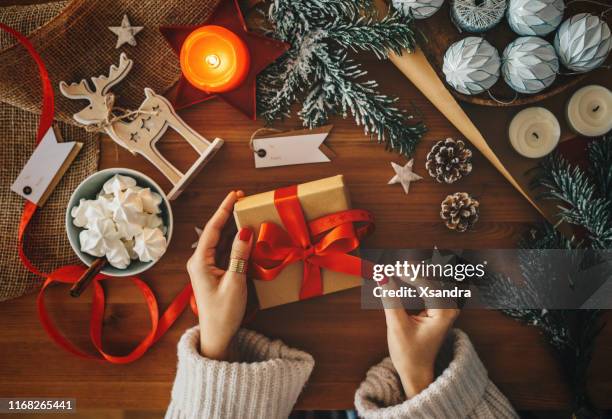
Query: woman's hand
(220, 295)
(414, 342)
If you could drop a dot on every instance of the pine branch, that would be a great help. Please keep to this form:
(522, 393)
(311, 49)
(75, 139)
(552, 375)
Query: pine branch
(543, 276)
(570, 185)
(281, 85)
(545, 236)
(317, 71)
(585, 202)
(393, 33)
(336, 89)
(293, 18)
(572, 334)
(600, 157)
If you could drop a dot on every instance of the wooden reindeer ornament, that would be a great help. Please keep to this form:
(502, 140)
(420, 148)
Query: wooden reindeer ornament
(138, 131)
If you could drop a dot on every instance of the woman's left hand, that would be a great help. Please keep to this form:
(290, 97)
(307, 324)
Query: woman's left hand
(220, 295)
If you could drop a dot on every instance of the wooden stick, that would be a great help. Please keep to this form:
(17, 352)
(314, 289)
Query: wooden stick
(93, 270)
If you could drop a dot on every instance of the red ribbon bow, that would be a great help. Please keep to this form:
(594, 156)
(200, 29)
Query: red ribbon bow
(322, 243)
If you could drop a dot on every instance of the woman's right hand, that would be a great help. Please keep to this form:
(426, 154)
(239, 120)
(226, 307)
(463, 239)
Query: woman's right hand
(220, 295)
(414, 342)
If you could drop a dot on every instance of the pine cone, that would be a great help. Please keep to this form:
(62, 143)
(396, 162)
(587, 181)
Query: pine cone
(449, 160)
(459, 211)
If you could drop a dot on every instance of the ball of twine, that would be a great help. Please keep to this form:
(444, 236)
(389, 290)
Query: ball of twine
(478, 15)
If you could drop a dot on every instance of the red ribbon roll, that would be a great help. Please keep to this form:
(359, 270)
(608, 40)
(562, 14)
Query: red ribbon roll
(322, 243)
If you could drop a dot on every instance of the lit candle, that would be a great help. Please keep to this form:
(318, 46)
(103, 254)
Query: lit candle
(214, 59)
(534, 132)
(589, 111)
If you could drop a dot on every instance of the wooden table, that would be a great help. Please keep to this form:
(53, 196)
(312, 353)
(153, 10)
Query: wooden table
(344, 340)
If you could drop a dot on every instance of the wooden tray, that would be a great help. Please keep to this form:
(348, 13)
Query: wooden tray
(439, 33)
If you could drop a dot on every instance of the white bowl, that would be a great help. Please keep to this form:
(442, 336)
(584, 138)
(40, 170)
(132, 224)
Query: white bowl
(88, 189)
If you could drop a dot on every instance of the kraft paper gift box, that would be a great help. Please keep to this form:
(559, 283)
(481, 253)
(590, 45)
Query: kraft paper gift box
(318, 198)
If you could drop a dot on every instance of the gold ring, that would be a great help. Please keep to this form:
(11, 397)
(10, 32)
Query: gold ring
(237, 265)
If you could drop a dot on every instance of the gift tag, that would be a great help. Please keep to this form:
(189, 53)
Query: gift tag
(45, 168)
(292, 147)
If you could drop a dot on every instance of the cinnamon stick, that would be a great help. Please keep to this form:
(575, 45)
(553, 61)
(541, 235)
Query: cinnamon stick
(85, 279)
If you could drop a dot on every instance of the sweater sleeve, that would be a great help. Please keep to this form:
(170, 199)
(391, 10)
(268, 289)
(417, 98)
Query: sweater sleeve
(462, 390)
(264, 384)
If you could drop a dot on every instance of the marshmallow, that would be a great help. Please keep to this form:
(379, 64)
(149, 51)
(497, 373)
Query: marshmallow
(127, 207)
(105, 199)
(118, 183)
(150, 200)
(96, 211)
(153, 221)
(127, 231)
(88, 211)
(78, 213)
(98, 237)
(117, 254)
(150, 245)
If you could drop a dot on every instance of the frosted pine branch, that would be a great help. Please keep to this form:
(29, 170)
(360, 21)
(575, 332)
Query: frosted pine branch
(585, 202)
(282, 84)
(393, 33)
(600, 156)
(579, 201)
(317, 72)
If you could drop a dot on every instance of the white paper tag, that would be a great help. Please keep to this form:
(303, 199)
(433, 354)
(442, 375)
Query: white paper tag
(288, 150)
(45, 168)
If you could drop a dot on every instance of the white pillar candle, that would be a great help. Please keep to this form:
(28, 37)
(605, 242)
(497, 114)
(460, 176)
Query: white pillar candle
(589, 111)
(534, 132)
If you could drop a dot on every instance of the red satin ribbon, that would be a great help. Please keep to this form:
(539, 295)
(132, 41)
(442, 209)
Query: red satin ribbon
(322, 243)
(159, 325)
(70, 274)
(46, 119)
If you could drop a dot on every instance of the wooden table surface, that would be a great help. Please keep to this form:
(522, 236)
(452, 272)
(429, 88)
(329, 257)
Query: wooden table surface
(344, 340)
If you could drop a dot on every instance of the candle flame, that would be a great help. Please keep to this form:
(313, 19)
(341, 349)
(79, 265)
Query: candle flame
(213, 60)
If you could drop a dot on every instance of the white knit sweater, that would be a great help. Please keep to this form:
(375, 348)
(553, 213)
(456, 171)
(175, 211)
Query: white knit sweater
(269, 378)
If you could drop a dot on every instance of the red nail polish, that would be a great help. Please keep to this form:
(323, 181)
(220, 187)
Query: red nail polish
(245, 234)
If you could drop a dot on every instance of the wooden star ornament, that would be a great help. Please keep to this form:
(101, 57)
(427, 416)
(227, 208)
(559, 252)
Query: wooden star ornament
(404, 175)
(437, 258)
(126, 33)
(263, 51)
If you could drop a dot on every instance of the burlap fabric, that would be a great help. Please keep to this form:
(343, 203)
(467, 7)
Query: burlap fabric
(73, 40)
(17, 131)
